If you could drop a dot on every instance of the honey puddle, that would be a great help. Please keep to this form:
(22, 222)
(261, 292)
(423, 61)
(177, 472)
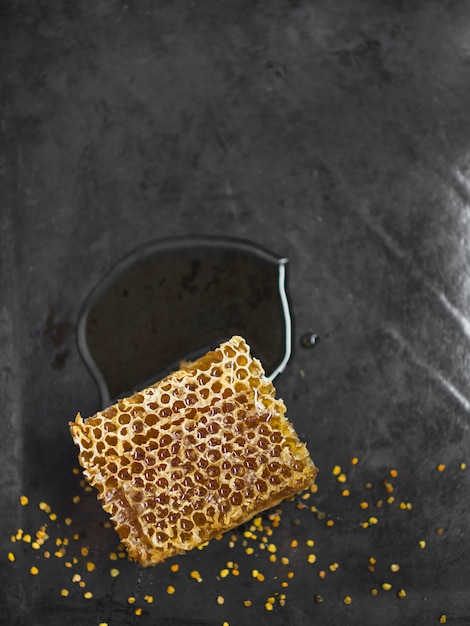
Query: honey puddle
(173, 300)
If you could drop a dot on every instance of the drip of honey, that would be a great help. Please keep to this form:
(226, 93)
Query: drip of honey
(173, 300)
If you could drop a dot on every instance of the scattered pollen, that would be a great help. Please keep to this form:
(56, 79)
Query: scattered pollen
(347, 600)
(170, 590)
(34, 571)
(24, 500)
(196, 575)
(64, 593)
(441, 467)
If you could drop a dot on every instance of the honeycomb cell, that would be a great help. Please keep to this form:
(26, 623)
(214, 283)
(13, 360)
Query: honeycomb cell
(196, 454)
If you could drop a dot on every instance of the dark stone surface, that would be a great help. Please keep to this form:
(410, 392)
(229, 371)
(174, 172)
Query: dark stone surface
(333, 133)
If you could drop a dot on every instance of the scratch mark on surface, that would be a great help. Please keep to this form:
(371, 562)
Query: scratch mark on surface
(402, 255)
(231, 201)
(432, 371)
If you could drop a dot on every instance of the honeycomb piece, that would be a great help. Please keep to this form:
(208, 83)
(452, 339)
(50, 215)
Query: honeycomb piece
(196, 454)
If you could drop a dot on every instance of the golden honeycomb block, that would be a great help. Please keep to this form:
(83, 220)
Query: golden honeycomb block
(198, 453)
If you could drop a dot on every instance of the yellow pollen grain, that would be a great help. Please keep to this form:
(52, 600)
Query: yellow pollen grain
(311, 558)
(114, 572)
(354, 460)
(310, 543)
(249, 550)
(113, 556)
(220, 599)
(372, 560)
(443, 619)
(76, 578)
(11, 556)
(88, 595)
(76, 499)
(290, 574)
(138, 611)
(82, 584)
(35, 545)
(196, 575)
(224, 573)
(90, 566)
(284, 560)
(393, 473)
(422, 544)
(374, 591)
(53, 517)
(294, 543)
(44, 507)
(333, 567)
(27, 538)
(373, 520)
(268, 606)
(330, 522)
(272, 558)
(170, 590)
(401, 593)
(68, 564)
(272, 548)
(394, 567)
(47, 554)
(386, 586)
(336, 470)
(34, 570)
(441, 467)
(463, 466)
(341, 478)
(364, 505)
(345, 493)
(131, 600)
(24, 500)
(84, 551)
(64, 593)
(247, 603)
(68, 521)
(174, 567)
(148, 599)
(347, 600)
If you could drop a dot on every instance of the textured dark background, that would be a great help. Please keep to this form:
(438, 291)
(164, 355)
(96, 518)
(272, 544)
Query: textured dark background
(334, 133)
